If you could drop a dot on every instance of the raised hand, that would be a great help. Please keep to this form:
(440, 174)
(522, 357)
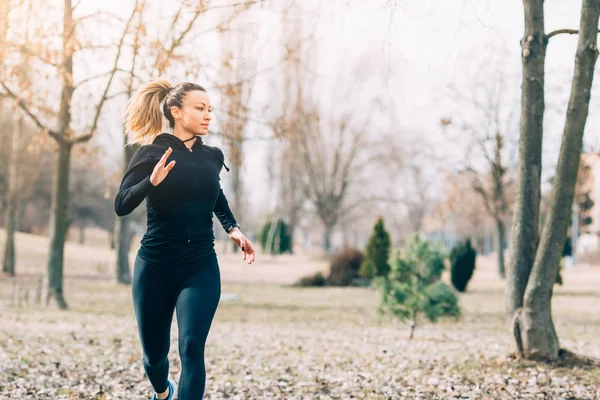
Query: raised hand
(160, 172)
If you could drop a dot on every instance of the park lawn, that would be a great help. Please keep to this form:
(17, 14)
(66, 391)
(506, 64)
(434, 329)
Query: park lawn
(282, 342)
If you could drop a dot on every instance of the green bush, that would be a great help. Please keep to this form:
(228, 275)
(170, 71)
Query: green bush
(441, 301)
(462, 265)
(313, 280)
(413, 286)
(343, 270)
(276, 238)
(376, 260)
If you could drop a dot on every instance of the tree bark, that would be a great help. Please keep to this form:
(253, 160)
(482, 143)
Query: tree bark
(236, 180)
(8, 263)
(124, 231)
(501, 231)
(124, 226)
(60, 191)
(327, 239)
(525, 232)
(125, 236)
(537, 328)
(82, 234)
(58, 226)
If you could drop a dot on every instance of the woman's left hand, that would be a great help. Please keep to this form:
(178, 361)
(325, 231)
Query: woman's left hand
(243, 243)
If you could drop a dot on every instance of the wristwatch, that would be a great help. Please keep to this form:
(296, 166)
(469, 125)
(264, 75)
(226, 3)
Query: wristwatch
(236, 225)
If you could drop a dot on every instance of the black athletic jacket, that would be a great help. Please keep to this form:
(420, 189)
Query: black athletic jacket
(182, 205)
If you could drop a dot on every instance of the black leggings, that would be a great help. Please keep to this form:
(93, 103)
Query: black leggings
(194, 292)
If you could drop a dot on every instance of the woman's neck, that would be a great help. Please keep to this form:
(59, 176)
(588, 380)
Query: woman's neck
(185, 137)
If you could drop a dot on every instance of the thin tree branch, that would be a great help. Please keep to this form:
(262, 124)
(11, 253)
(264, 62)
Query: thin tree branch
(246, 3)
(136, 49)
(31, 115)
(97, 77)
(162, 66)
(81, 47)
(112, 96)
(562, 31)
(98, 14)
(28, 52)
(88, 136)
(82, 138)
(478, 187)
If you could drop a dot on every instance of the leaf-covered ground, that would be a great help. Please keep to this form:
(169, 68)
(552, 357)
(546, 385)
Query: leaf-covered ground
(279, 342)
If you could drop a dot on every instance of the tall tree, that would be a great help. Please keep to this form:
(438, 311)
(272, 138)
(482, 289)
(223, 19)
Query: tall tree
(535, 259)
(17, 131)
(124, 225)
(290, 193)
(8, 262)
(330, 153)
(66, 138)
(484, 117)
(238, 64)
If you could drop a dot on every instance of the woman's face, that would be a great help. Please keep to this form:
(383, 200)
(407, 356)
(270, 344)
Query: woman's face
(194, 115)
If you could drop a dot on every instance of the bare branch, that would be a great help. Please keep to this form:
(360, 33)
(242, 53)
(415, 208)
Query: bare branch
(82, 138)
(109, 83)
(81, 47)
(98, 14)
(21, 103)
(160, 65)
(244, 4)
(562, 31)
(98, 77)
(112, 96)
(478, 187)
(136, 47)
(30, 53)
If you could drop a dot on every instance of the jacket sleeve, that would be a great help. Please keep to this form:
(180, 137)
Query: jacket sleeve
(135, 185)
(221, 209)
(223, 212)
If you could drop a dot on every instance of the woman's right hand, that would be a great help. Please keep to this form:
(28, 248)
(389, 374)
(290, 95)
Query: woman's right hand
(160, 171)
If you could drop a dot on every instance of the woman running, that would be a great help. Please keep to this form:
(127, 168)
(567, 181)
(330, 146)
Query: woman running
(176, 268)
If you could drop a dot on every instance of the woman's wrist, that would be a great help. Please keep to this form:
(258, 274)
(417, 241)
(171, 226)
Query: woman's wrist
(233, 229)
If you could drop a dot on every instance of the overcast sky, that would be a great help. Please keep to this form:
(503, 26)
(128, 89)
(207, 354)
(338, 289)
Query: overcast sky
(415, 48)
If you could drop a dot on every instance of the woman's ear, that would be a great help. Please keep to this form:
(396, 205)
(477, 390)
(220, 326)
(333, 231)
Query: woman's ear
(175, 112)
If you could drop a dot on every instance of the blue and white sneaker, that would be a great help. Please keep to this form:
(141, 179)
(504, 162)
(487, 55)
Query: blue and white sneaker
(172, 390)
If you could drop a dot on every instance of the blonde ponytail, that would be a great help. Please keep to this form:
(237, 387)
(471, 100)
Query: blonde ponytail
(143, 116)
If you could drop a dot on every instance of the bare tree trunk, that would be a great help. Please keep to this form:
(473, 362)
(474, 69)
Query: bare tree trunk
(65, 139)
(327, 239)
(122, 235)
(537, 328)
(293, 222)
(125, 236)
(82, 234)
(413, 325)
(124, 231)
(8, 264)
(290, 192)
(501, 231)
(60, 191)
(236, 180)
(524, 235)
(58, 226)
